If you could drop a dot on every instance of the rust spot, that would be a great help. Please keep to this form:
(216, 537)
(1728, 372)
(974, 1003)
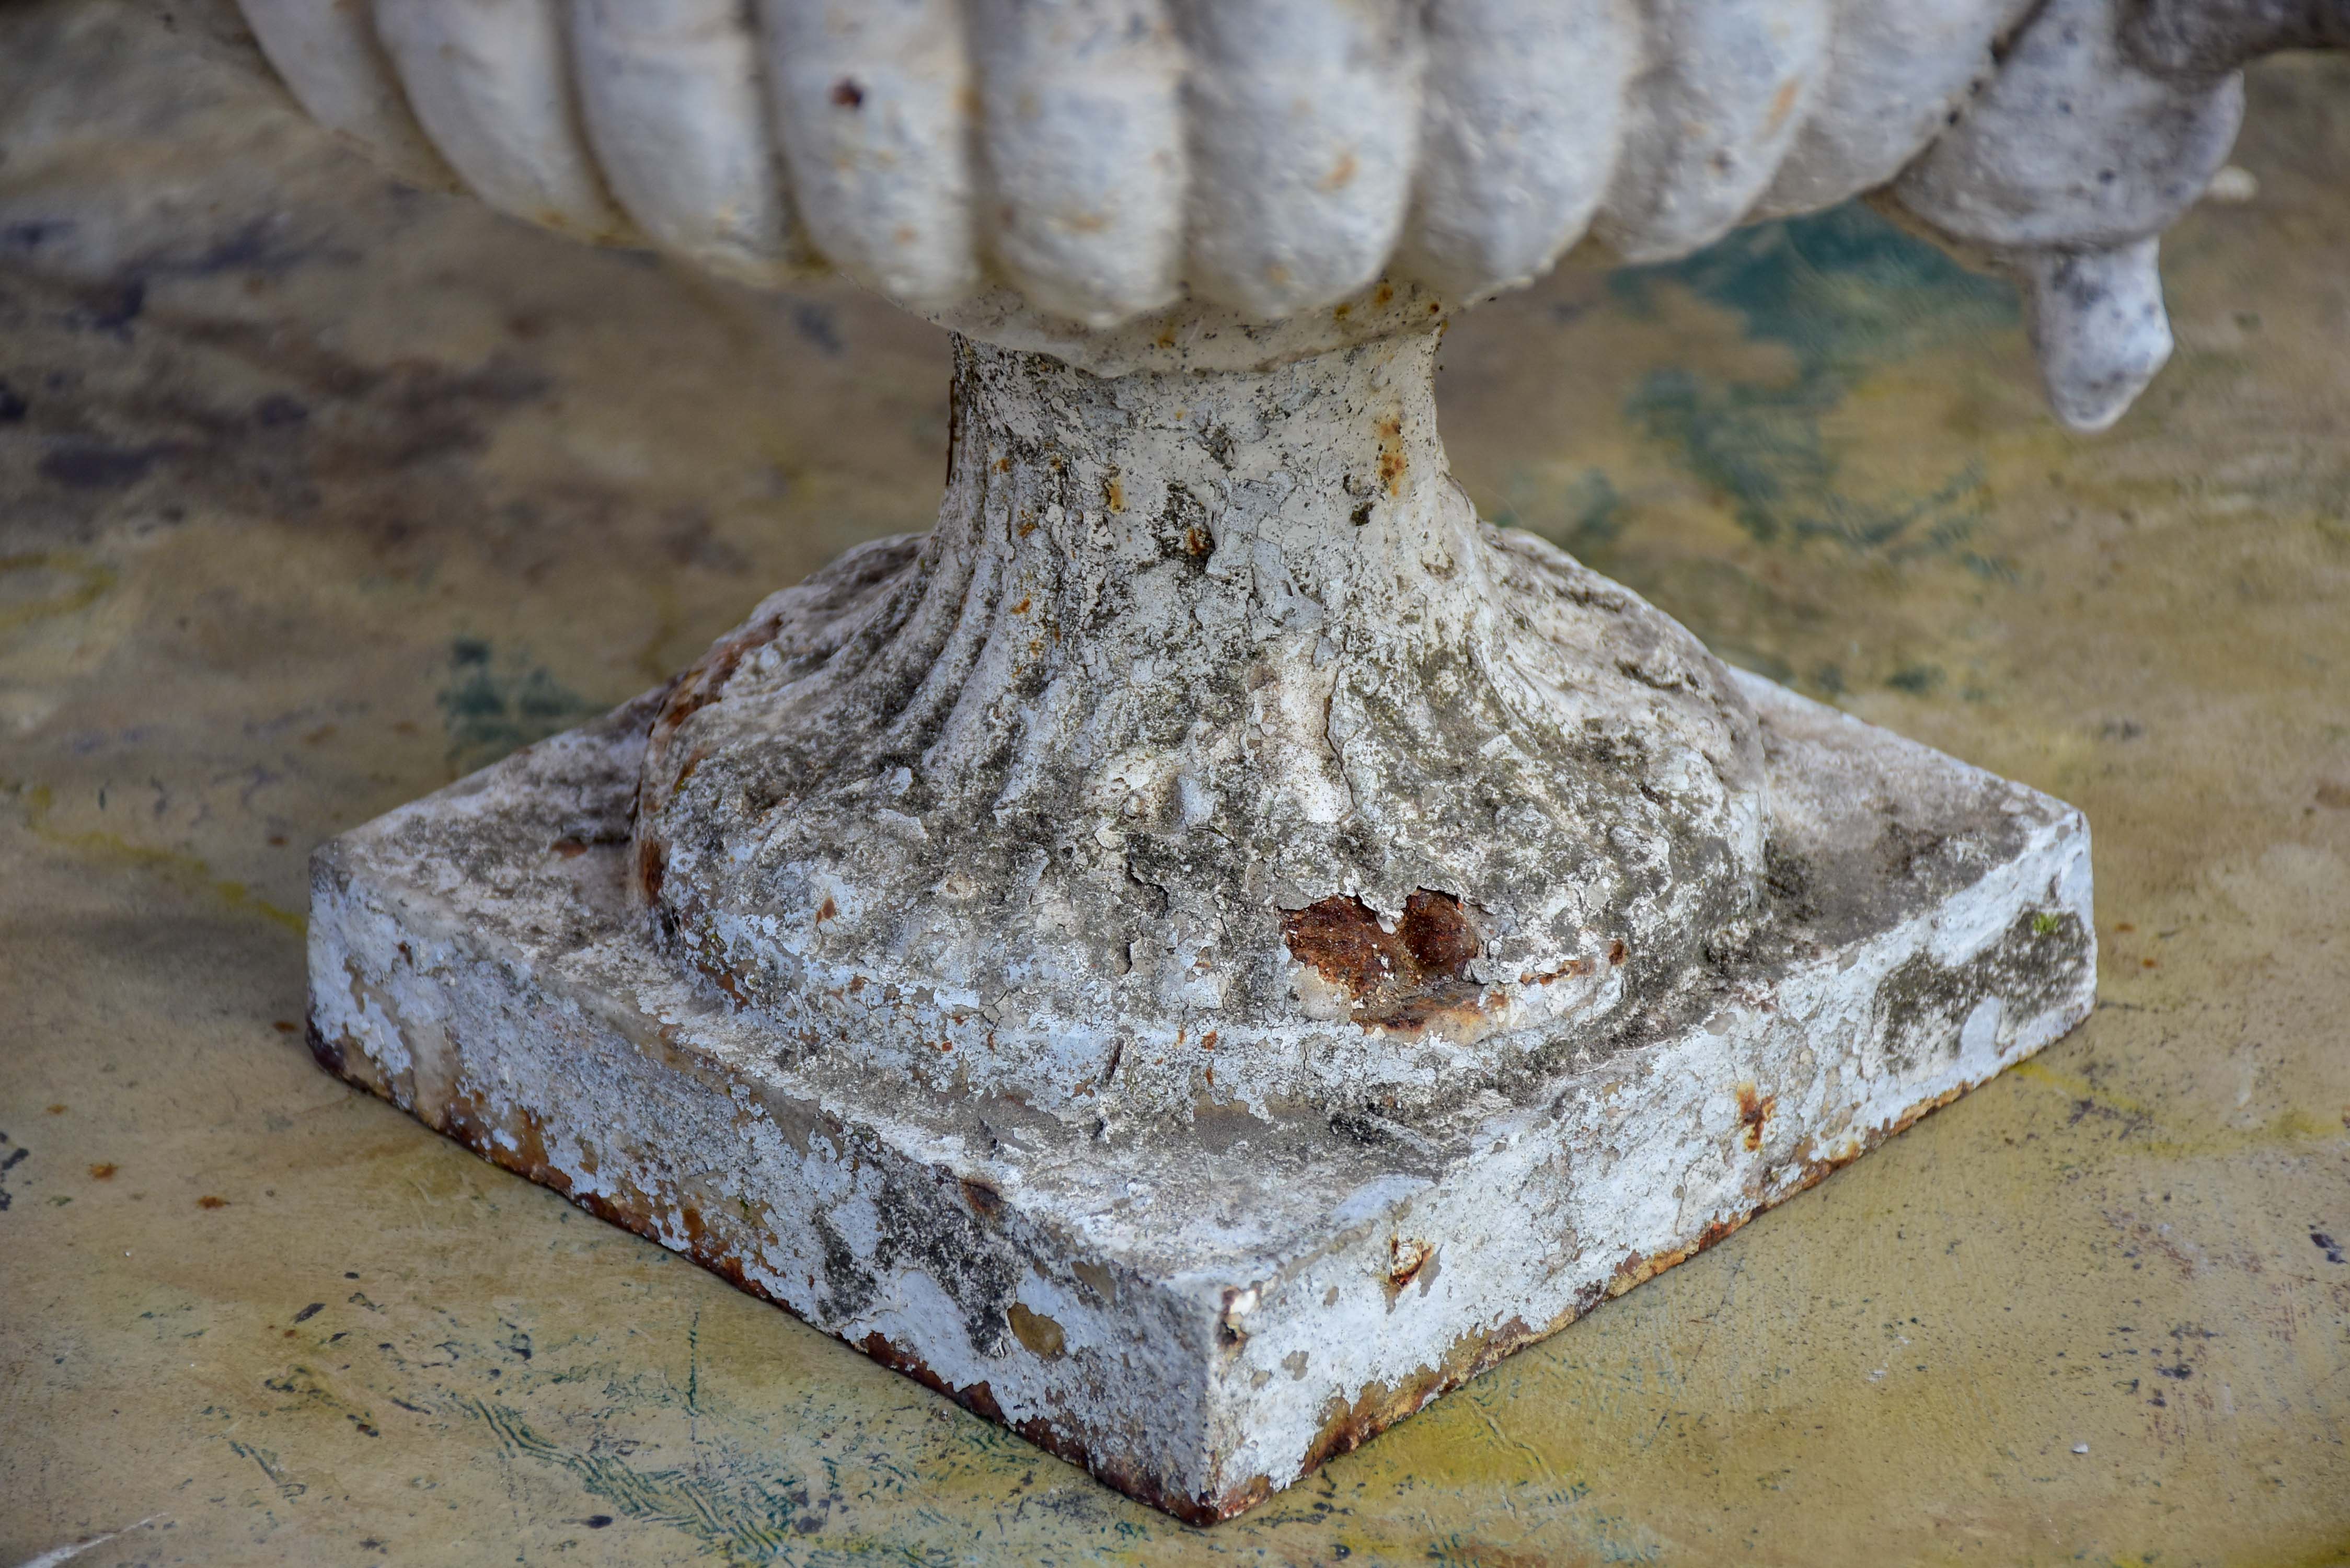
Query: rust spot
(1167, 337)
(2124, 926)
(1783, 104)
(56, 1110)
(1392, 460)
(1340, 312)
(985, 1200)
(1716, 1230)
(104, 1172)
(1040, 1334)
(1438, 932)
(1753, 1113)
(1196, 540)
(1342, 173)
(827, 910)
(1402, 979)
(1406, 1259)
(569, 849)
(848, 94)
(1022, 607)
(1386, 293)
(209, 1202)
(1616, 951)
(285, 1025)
(1114, 493)
(724, 980)
(2149, 963)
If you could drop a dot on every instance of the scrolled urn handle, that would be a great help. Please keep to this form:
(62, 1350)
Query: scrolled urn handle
(1054, 171)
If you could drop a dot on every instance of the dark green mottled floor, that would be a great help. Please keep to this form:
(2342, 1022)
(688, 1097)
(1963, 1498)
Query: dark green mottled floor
(313, 494)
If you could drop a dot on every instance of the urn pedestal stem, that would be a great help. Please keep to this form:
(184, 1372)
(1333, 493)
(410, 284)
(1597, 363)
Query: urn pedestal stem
(1209, 747)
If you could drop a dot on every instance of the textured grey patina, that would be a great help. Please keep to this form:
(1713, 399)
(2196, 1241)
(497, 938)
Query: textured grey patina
(1204, 682)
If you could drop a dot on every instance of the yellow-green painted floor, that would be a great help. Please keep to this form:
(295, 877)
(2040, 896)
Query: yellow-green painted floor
(314, 494)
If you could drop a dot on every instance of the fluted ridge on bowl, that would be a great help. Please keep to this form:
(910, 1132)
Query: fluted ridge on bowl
(1073, 167)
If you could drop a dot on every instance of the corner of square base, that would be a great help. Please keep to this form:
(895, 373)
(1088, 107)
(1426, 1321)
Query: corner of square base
(1200, 1314)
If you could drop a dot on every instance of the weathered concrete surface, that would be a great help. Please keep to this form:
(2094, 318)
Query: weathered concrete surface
(335, 495)
(1201, 1304)
(1094, 794)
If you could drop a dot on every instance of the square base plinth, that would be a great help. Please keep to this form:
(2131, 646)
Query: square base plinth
(1198, 1314)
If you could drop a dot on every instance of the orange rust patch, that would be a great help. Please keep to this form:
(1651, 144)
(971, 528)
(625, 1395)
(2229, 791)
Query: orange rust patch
(1404, 979)
(1392, 460)
(102, 1172)
(827, 910)
(1754, 1113)
(1114, 493)
(1407, 1259)
(569, 849)
(210, 1201)
(1783, 104)
(1342, 173)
